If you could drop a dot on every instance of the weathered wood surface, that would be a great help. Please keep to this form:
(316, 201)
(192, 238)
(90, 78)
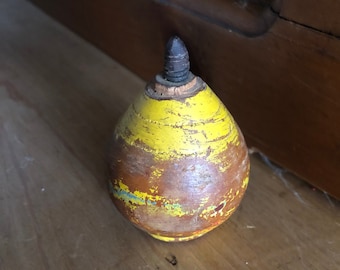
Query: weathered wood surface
(281, 86)
(59, 100)
(322, 16)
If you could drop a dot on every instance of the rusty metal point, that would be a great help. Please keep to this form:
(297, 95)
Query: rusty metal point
(176, 65)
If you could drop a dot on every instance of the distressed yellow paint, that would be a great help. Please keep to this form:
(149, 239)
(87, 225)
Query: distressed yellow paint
(229, 212)
(154, 176)
(171, 207)
(157, 172)
(138, 198)
(210, 211)
(170, 129)
(180, 238)
(153, 190)
(199, 126)
(194, 235)
(245, 182)
(207, 211)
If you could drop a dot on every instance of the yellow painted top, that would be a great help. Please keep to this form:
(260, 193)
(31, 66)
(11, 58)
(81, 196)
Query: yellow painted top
(170, 129)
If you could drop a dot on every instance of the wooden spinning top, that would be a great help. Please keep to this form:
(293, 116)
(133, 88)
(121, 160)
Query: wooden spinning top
(179, 163)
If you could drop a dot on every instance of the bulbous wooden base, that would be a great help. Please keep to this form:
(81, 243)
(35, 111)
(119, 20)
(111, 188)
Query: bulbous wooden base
(179, 166)
(177, 200)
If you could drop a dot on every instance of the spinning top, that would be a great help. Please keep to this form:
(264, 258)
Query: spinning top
(179, 163)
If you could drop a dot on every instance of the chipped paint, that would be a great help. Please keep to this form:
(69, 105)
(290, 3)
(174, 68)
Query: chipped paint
(245, 182)
(173, 160)
(138, 198)
(200, 126)
(173, 208)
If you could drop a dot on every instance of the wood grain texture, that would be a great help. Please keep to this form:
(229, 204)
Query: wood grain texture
(322, 17)
(282, 87)
(249, 18)
(59, 100)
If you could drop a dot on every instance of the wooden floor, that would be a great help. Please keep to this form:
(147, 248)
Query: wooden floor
(59, 100)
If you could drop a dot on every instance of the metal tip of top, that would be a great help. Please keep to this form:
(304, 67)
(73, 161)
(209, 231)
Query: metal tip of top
(177, 65)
